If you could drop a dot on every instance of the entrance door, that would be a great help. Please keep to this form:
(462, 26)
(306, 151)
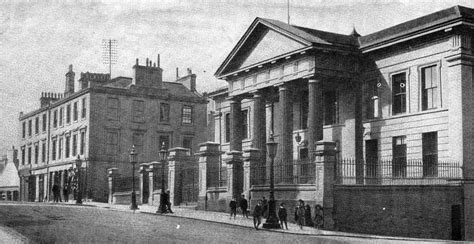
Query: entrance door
(31, 188)
(456, 222)
(371, 159)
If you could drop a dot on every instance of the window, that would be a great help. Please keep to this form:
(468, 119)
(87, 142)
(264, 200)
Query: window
(36, 153)
(399, 164)
(188, 143)
(74, 144)
(60, 148)
(429, 87)
(43, 152)
(371, 99)
(138, 109)
(399, 104)
(330, 108)
(227, 127)
(44, 122)
(55, 118)
(164, 141)
(24, 129)
(137, 140)
(430, 154)
(67, 147)
(245, 124)
(112, 108)
(29, 155)
(304, 110)
(187, 114)
(112, 142)
(83, 141)
(164, 112)
(74, 111)
(23, 151)
(68, 113)
(61, 116)
(36, 125)
(29, 127)
(84, 108)
(53, 151)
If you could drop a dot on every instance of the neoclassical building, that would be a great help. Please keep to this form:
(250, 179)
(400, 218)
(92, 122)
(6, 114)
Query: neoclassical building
(402, 94)
(99, 121)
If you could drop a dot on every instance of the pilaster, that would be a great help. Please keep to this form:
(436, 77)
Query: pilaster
(251, 158)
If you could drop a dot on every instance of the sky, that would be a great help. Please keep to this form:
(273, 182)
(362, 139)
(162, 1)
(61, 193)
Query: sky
(40, 39)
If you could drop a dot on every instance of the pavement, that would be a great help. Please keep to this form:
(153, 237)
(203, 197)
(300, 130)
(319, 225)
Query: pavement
(10, 236)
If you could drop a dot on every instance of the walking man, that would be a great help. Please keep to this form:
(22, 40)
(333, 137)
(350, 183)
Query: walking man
(167, 201)
(244, 206)
(66, 193)
(282, 215)
(233, 207)
(55, 193)
(299, 214)
(257, 214)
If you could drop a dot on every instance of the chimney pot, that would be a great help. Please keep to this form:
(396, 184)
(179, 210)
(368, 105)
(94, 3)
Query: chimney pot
(158, 60)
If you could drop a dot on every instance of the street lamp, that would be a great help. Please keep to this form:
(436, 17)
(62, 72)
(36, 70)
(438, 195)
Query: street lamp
(163, 156)
(272, 220)
(133, 161)
(79, 188)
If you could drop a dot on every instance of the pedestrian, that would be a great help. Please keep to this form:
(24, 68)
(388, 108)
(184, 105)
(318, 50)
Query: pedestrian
(265, 207)
(233, 207)
(282, 215)
(308, 221)
(66, 193)
(244, 206)
(299, 214)
(257, 214)
(318, 217)
(167, 201)
(55, 193)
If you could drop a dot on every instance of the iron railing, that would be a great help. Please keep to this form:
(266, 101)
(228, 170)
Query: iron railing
(295, 172)
(397, 172)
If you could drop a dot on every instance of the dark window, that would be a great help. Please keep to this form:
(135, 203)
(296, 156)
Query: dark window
(330, 108)
(29, 127)
(138, 111)
(74, 145)
(61, 116)
(74, 113)
(112, 108)
(84, 108)
(44, 122)
(36, 125)
(227, 127)
(399, 164)
(371, 158)
(68, 147)
(23, 151)
(24, 129)
(164, 112)
(43, 152)
(164, 141)
(83, 142)
(36, 153)
(138, 141)
(29, 155)
(304, 111)
(55, 118)
(68, 113)
(53, 151)
(188, 143)
(112, 142)
(399, 104)
(187, 114)
(60, 148)
(245, 124)
(429, 87)
(430, 154)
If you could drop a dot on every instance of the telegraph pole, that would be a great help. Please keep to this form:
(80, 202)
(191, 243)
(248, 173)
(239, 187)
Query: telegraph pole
(109, 53)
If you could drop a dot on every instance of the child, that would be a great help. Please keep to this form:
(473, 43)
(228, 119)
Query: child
(282, 215)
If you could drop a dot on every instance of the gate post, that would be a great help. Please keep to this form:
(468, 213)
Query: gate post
(234, 174)
(141, 171)
(111, 173)
(208, 158)
(152, 169)
(325, 159)
(175, 158)
(251, 157)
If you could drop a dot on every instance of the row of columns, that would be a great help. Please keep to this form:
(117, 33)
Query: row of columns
(44, 184)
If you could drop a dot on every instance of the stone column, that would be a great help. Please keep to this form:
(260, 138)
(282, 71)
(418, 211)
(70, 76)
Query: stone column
(325, 159)
(259, 132)
(141, 171)
(234, 173)
(284, 170)
(209, 165)
(61, 184)
(315, 115)
(252, 166)
(111, 173)
(359, 131)
(235, 125)
(37, 188)
(175, 159)
(152, 168)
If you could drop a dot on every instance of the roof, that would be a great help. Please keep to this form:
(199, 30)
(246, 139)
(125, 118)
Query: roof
(179, 89)
(416, 25)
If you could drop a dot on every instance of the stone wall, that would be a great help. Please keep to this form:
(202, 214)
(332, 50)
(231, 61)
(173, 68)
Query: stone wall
(411, 211)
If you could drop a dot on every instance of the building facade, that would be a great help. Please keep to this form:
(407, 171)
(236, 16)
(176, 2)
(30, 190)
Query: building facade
(9, 179)
(402, 94)
(99, 122)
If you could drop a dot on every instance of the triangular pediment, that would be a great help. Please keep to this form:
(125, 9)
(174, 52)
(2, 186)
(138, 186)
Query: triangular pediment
(262, 42)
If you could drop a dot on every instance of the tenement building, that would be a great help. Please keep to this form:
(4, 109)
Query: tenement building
(98, 122)
(389, 114)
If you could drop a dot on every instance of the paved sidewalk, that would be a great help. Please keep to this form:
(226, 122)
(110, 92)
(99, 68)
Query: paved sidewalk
(223, 218)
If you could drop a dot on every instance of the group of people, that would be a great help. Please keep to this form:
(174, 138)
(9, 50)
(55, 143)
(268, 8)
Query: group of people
(165, 205)
(57, 193)
(302, 213)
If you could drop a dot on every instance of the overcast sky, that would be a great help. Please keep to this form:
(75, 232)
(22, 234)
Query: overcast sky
(39, 39)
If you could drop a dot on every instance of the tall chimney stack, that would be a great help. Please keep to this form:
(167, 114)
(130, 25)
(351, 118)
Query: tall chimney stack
(69, 87)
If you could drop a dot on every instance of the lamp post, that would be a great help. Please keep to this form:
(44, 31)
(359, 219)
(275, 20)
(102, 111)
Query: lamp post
(133, 161)
(79, 187)
(272, 220)
(163, 156)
